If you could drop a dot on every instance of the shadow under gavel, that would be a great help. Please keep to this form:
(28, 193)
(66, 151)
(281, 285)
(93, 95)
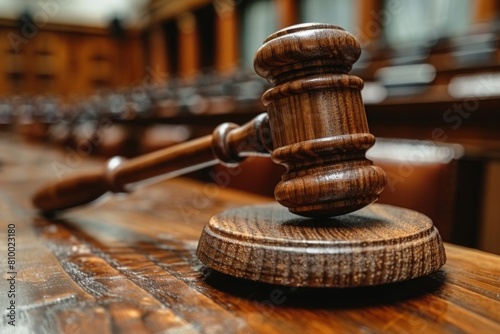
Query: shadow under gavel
(315, 126)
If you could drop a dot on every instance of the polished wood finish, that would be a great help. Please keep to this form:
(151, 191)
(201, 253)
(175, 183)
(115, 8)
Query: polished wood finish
(376, 245)
(317, 124)
(320, 133)
(228, 144)
(318, 121)
(317, 128)
(130, 267)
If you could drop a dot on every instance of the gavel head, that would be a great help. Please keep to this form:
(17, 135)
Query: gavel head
(317, 120)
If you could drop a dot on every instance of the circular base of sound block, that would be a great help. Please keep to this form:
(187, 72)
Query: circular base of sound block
(378, 244)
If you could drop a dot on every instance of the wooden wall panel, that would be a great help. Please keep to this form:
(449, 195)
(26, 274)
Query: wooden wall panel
(189, 52)
(287, 12)
(227, 32)
(66, 60)
(158, 56)
(368, 20)
(485, 10)
(490, 229)
(133, 66)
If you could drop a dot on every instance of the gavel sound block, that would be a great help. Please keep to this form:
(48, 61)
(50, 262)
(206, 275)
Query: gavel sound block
(331, 235)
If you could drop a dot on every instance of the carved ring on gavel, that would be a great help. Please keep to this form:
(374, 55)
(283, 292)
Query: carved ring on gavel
(316, 127)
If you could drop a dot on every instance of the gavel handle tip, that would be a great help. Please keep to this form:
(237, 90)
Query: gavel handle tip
(76, 190)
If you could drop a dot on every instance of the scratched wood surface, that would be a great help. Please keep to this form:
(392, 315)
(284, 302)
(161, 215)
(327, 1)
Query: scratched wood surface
(128, 265)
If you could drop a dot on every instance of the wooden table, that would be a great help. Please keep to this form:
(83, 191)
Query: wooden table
(128, 265)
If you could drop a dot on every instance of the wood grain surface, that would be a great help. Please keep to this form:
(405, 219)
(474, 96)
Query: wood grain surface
(378, 244)
(318, 121)
(128, 265)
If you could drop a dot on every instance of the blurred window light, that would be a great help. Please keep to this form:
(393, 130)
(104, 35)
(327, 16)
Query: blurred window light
(373, 92)
(474, 49)
(475, 85)
(339, 12)
(409, 22)
(77, 12)
(416, 74)
(414, 152)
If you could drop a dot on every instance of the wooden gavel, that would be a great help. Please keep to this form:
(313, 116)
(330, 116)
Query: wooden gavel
(315, 126)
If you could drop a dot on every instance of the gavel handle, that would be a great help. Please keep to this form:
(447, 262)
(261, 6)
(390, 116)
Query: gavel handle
(228, 144)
